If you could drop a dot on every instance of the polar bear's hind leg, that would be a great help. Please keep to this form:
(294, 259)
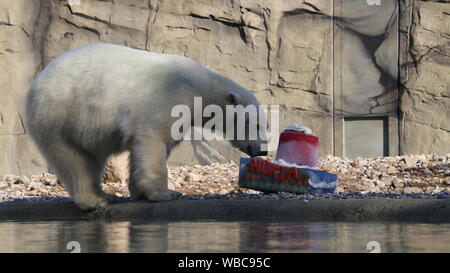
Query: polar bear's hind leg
(79, 172)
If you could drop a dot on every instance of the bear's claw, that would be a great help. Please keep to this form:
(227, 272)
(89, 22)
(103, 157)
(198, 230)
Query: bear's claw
(164, 196)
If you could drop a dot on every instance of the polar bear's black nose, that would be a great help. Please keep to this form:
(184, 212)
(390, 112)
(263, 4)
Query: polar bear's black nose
(252, 152)
(263, 153)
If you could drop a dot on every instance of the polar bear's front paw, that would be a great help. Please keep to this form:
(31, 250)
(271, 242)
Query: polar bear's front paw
(110, 198)
(163, 196)
(90, 203)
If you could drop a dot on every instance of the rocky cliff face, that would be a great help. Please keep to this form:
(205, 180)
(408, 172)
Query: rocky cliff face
(425, 77)
(284, 51)
(20, 60)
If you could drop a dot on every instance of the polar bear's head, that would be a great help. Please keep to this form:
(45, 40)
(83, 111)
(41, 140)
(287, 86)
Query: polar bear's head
(249, 123)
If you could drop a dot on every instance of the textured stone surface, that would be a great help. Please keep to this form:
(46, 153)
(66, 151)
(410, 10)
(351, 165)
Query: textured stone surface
(281, 50)
(19, 62)
(425, 77)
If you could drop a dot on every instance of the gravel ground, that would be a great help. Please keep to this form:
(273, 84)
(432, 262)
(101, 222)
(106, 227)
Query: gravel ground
(414, 176)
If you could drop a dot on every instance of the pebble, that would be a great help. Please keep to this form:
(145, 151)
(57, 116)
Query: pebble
(193, 177)
(23, 180)
(409, 190)
(50, 183)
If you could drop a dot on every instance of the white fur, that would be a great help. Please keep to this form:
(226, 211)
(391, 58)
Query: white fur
(101, 99)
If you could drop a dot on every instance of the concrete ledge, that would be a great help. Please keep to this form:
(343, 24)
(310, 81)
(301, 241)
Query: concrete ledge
(238, 210)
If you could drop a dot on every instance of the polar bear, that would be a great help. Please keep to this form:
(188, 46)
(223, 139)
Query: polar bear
(101, 99)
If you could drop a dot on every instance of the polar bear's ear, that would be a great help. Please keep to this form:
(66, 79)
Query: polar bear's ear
(234, 98)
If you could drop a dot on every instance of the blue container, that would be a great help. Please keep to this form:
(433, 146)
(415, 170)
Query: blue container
(266, 176)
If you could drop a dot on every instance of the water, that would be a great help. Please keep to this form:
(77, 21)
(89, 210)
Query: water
(140, 236)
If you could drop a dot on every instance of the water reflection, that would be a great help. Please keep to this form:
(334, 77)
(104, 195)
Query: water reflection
(138, 236)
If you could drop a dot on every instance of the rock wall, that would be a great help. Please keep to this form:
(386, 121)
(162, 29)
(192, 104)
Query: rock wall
(281, 50)
(20, 59)
(425, 77)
